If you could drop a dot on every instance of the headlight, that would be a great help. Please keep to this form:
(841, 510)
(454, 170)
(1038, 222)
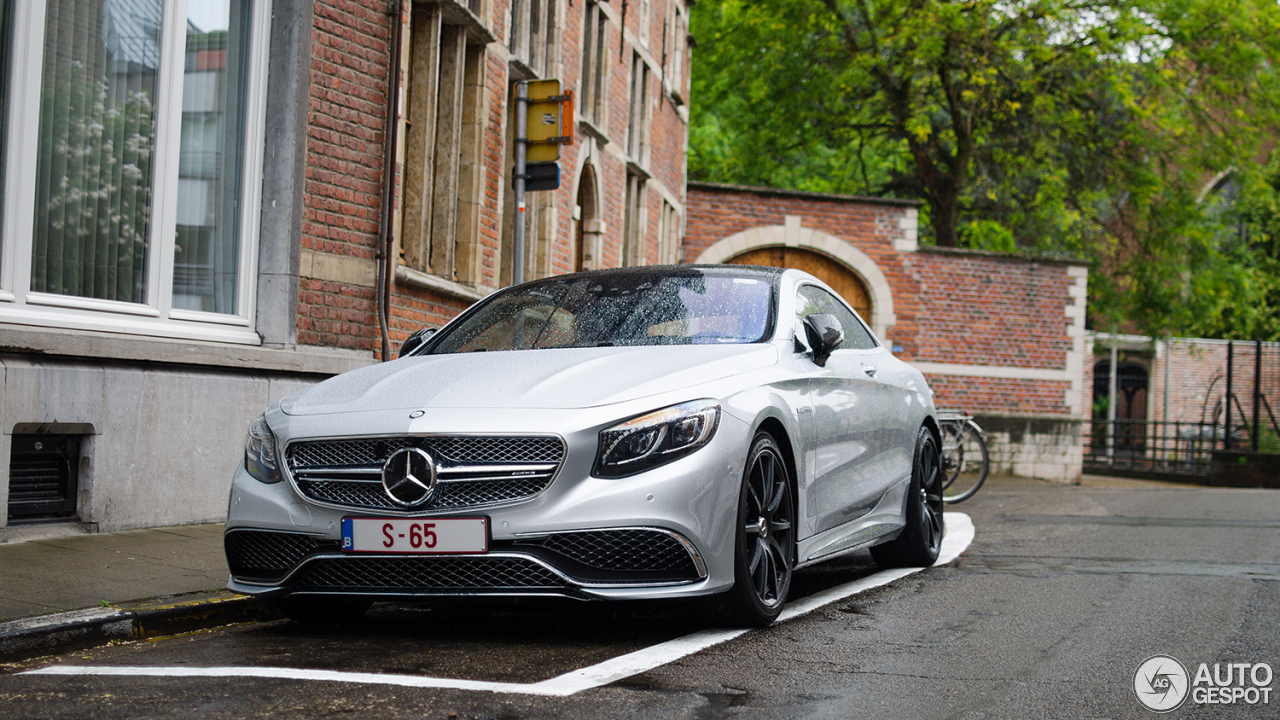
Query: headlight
(656, 439)
(260, 452)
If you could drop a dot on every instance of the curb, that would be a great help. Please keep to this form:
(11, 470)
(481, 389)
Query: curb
(138, 620)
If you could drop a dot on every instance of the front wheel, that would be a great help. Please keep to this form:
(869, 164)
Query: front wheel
(921, 539)
(764, 549)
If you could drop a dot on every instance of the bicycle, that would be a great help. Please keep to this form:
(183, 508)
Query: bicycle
(965, 462)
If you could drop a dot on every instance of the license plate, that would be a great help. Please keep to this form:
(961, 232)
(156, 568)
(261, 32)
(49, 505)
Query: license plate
(434, 536)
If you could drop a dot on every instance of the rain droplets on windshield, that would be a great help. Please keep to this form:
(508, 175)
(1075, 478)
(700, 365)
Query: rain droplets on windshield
(672, 307)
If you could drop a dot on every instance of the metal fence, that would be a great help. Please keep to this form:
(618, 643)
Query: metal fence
(1143, 446)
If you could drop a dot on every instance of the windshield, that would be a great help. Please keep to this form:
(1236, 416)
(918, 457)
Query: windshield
(627, 308)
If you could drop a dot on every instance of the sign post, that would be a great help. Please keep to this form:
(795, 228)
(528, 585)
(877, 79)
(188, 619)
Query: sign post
(522, 107)
(544, 122)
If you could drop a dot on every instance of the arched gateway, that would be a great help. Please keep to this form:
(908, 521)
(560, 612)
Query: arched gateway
(839, 277)
(846, 269)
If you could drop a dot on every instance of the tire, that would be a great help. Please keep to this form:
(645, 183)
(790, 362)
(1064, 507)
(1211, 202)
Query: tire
(764, 543)
(321, 610)
(920, 541)
(965, 462)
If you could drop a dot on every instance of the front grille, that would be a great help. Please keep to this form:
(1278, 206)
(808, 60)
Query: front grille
(628, 550)
(449, 495)
(261, 554)
(455, 450)
(426, 575)
(348, 472)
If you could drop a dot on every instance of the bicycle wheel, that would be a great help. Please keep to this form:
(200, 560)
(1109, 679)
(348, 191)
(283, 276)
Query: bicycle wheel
(965, 462)
(952, 453)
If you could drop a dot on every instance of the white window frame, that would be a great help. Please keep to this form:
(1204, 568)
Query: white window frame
(155, 317)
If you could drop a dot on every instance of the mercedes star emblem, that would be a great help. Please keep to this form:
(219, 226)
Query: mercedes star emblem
(409, 477)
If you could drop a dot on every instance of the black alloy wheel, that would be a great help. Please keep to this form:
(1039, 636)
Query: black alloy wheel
(921, 539)
(765, 540)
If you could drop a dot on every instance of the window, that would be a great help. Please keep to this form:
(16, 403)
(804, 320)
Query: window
(591, 93)
(688, 307)
(6, 15)
(638, 118)
(127, 221)
(675, 49)
(440, 233)
(532, 33)
(813, 299)
(669, 235)
(633, 222)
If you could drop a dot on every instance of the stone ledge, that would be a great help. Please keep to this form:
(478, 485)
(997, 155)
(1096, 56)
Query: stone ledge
(89, 345)
(409, 277)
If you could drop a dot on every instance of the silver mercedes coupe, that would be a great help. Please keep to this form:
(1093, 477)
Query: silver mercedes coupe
(654, 432)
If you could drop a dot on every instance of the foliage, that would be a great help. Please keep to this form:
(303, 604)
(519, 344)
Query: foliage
(1065, 127)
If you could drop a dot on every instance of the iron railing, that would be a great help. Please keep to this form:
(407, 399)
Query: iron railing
(1151, 446)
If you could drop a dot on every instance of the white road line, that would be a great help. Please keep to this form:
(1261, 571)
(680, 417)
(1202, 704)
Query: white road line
(960, 532)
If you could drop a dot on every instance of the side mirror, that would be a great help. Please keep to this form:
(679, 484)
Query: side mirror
(825, 334)
(415, 341)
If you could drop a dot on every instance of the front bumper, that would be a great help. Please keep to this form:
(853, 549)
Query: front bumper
(667, 532)
(576, 564)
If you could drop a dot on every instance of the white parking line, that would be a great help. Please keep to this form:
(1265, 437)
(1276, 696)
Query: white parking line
(959, 535)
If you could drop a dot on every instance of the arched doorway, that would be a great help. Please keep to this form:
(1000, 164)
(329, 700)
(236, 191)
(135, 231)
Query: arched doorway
(1131, 405)
(833, 273)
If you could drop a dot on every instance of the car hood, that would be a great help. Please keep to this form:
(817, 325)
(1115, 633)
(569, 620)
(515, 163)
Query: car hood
(551, 379)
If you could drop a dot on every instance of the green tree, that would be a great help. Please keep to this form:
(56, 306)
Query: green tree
(1057, 126)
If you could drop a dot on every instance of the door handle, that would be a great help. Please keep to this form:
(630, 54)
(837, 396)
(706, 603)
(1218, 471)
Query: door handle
(870, 370)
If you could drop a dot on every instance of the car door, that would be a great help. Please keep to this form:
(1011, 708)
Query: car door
(857, 420)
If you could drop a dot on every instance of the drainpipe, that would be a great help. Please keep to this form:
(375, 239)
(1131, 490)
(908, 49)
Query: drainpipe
(386, 239)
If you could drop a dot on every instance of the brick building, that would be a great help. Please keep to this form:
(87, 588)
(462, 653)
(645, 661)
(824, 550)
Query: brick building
(1000, 336)
(203, 213)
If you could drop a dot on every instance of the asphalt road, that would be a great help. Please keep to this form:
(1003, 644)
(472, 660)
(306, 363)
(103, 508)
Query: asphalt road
(1064, 592)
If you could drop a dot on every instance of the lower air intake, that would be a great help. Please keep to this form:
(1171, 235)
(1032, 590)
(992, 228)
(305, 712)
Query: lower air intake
(427, 575)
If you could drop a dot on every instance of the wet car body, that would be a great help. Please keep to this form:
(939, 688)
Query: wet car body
(519, 443)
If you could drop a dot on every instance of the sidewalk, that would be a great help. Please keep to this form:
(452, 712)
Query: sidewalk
(64, 589)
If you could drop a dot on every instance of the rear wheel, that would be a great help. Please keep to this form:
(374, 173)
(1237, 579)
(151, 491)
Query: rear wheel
(921, 538)
(764, 550)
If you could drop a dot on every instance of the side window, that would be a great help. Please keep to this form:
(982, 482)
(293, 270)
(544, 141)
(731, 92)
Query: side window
(813, 299)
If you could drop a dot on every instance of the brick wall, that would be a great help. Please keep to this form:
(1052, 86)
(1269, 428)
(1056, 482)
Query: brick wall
(350, 53)
(351, 78)
(951, 306)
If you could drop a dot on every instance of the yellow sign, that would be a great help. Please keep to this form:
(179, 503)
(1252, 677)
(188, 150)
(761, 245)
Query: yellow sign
(549, 123)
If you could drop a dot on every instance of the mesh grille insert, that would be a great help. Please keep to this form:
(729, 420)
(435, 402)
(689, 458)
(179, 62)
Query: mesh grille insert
(263, 554)
(426, 575)
(448, 495)
(623, 550)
